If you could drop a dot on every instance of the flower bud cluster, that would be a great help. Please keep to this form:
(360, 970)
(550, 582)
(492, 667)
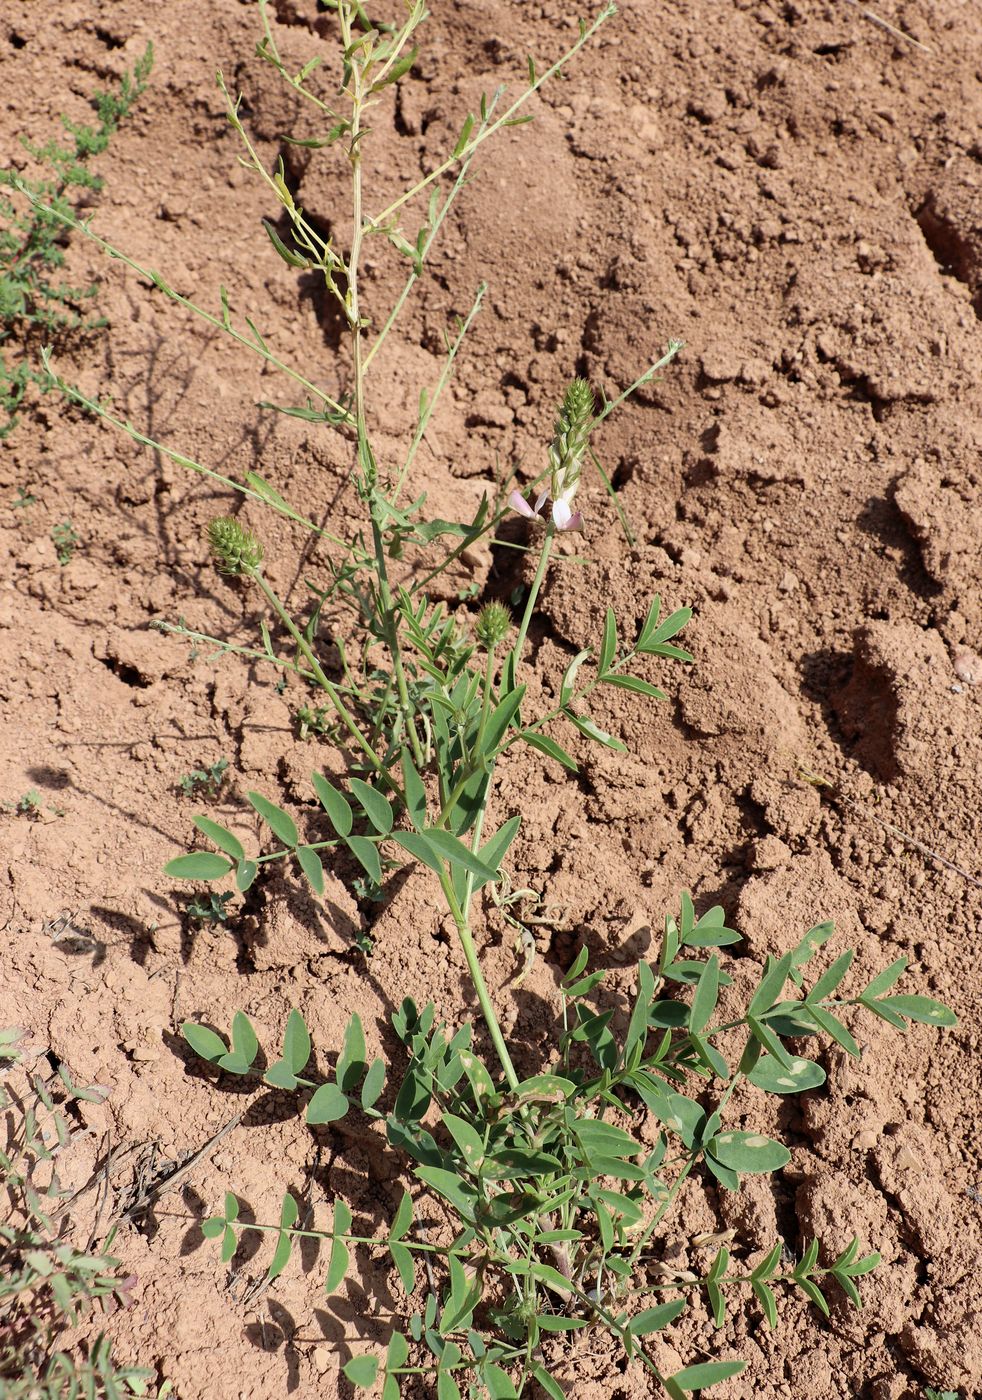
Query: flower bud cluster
(234, 549)
(493, 624)
(572, 433)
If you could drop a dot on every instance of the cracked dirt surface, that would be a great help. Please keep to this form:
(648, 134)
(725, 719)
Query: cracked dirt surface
(798, 195)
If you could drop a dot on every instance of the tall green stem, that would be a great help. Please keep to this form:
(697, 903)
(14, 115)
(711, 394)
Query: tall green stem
(540, 573)
(477, 977)
(328, 686)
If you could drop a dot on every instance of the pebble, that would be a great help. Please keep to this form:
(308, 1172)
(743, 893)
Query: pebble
(321, 1358)
(967, 665)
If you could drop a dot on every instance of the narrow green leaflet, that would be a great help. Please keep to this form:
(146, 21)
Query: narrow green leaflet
(289, 1213)
(543, 744)
(770, 986)
(335, 804)
(608, 646)
(635, 683)
(353, 1060)
(548, 1383)
(593, 731)
(367, 856)
(749, 1152)
(340, 1257)
(434, 846)
(709, 1373)
(403, 1259)
(278, 821)
(415, 797)
(310, 863)
(705, 996)
(395, 1357)
(494, 850)
(296, 1042)
(884, 980)
(374, 1083)
(222, 837)
(766, 1299)
(831, 977)
(923, 1009)
(833, 1027)
(773, 1077)
(501, 717)
(199, 865)
(375, 806)
(654, 1319)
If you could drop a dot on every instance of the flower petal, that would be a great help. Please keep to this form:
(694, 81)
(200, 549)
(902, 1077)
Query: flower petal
(561, 514)
(518, 502)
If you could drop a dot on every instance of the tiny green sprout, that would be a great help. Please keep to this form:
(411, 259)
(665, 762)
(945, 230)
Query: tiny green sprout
(210, 909)
(65, 540)
(204, 781)
(23, 500)
(27, 805)
(234, 549)
(312, 719)
(493, 625)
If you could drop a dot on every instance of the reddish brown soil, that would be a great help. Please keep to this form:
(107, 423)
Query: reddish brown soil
(797, 194)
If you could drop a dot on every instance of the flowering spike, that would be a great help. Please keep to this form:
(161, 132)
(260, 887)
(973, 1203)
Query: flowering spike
(493, 623)
(234, 549)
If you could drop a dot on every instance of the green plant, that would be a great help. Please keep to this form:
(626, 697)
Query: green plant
(27, 805)
(557, 1207)
(931, 1394)
(32, 302)
(210, 908)
(48, 1283)
(65, 540)
(204, 782)
(23, 500)
(554, 1207)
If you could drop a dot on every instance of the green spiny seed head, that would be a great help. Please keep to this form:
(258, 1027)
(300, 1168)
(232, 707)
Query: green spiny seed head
(572, 431)
(234, 549)
(493, 624)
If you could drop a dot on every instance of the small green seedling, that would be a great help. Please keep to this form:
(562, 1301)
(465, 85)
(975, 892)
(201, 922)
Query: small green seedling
(23, 500)
(204, 782)
(65, 540)
(27, 805)
(211, 908)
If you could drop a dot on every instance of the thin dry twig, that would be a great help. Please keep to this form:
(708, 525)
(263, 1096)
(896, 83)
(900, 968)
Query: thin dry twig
(885, 24)
(817, 781)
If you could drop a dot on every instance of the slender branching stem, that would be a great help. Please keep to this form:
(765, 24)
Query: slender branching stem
(530, 602)
(327, 685)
